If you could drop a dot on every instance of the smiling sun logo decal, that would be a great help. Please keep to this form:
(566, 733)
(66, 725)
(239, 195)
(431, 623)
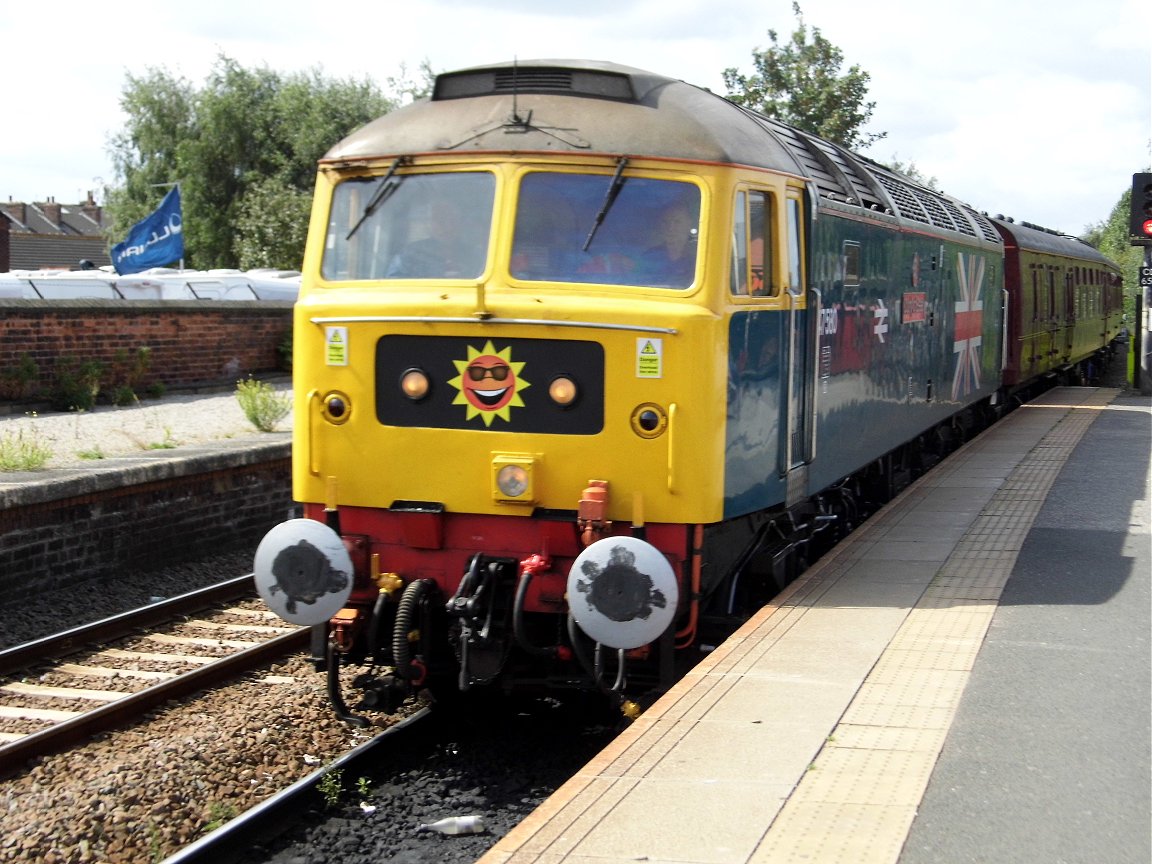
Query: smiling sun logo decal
(489, 383)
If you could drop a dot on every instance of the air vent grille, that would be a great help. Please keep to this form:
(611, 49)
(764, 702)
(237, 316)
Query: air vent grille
(533, 79)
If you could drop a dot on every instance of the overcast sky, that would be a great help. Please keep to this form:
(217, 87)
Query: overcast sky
(1037, 109)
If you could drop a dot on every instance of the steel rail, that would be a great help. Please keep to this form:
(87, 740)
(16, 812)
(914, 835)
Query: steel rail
(131, 706)
(118, 626)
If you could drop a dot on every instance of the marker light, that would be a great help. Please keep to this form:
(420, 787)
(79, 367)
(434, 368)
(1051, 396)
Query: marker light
(337, 407)
(415, 384)
(649, 420)
(563, 391)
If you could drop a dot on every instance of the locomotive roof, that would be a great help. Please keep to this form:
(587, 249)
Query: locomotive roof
(600, 107)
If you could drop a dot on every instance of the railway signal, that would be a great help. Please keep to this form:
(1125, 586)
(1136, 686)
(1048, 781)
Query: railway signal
(1140, 219)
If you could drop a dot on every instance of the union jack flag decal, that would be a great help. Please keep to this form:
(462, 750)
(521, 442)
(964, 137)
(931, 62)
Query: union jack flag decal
(969, 325)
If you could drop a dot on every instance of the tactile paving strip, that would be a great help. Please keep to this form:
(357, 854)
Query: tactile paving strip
(858, 799)
(833, 758)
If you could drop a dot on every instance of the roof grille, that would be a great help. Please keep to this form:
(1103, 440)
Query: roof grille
(985, 226)
(533, 79)
(902, 197)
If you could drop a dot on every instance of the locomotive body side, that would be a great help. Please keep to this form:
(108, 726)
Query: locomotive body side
(908, 337)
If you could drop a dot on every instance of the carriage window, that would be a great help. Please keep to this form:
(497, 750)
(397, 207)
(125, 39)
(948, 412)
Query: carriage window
(591, 228)
(752, 269)
(410, 226)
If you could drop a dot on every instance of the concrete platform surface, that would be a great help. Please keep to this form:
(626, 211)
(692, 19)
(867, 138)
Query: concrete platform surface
(966, 678)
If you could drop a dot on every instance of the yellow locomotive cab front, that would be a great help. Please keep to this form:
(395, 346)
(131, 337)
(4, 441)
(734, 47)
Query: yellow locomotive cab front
(490, 389)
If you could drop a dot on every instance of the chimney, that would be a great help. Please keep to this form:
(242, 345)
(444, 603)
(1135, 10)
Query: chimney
(91, 209)
(51, 211)
(17, 211)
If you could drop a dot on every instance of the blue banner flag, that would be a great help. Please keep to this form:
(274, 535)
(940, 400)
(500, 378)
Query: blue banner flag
(154, 241)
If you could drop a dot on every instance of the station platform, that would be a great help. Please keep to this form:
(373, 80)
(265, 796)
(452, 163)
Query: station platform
(966, 678)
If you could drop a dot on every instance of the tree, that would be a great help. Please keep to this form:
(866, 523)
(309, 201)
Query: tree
(160, 111)
(910, 171)
(1111, 238)
(799, 83)
(244, 149)
(272, 225)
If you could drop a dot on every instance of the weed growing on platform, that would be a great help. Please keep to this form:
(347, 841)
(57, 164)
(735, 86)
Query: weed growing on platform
(169, 443)
(261, 404)
(18, 453)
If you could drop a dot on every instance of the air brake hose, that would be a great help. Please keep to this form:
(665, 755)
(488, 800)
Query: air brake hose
(405, 619)
(339, 706)
(527, 570)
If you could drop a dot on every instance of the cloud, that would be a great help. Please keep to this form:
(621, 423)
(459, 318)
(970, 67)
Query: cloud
(966, 92)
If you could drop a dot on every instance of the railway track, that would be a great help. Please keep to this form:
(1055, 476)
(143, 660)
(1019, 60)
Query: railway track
(58, 691)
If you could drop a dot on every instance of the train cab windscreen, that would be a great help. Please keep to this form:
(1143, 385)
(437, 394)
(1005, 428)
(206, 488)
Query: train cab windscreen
(410, 226)
(596, 228)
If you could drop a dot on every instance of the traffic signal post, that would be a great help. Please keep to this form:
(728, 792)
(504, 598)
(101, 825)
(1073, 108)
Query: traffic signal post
(1143, 328)
(1140, 234)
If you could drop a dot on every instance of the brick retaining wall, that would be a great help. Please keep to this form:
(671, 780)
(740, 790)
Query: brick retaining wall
(190, 344)
(64, 527)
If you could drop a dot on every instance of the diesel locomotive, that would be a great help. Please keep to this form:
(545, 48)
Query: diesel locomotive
(589, 362)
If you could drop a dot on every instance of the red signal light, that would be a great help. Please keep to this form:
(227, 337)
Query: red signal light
(1147, 226)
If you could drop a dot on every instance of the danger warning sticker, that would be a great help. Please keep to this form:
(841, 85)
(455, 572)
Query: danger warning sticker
(649, 357)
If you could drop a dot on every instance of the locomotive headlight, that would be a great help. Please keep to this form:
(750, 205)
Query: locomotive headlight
(512, 481)
(649, 420)
(513, 477)
(337, 407)
(415, 384)
(563, 391)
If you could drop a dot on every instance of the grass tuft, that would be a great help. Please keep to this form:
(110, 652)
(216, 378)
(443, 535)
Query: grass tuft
(18, 453)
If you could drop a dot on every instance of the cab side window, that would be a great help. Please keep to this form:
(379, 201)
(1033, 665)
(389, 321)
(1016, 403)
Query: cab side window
(752, 271)
(795, 247)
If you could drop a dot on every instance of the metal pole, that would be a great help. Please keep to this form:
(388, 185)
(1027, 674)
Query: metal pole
(1136, 335)
(169, 186)
(1142, 373)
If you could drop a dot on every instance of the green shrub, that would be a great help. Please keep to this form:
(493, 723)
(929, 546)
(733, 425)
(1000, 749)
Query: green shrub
(262, 405)
(77, 384)
(284, 349)
(122, 395)
(16, 381)
(128, 367)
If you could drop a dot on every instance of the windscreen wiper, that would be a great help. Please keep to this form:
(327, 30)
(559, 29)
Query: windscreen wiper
(613, 190)
(383, 191)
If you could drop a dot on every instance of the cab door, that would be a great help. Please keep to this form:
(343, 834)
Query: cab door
(769, 442)
(798, 444)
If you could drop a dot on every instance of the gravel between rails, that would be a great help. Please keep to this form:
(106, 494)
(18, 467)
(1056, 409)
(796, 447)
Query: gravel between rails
(142, 793)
